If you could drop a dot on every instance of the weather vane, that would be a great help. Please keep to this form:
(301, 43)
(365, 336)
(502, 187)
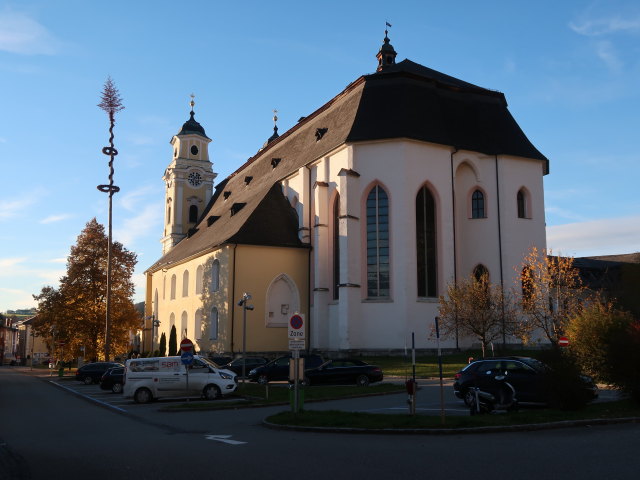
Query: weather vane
(192, 103)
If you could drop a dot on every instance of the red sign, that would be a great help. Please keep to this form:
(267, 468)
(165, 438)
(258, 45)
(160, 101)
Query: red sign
(563, 341)
(186, 345)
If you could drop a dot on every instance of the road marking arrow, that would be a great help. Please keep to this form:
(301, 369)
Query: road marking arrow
(224, 439)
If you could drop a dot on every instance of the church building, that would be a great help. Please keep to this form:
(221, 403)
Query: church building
(357, 218)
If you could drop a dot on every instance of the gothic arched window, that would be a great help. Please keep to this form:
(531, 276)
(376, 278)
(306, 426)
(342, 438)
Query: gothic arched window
(377, 243)
(426, 243)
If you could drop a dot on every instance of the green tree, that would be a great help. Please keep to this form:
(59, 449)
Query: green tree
(477, 308)
(76, 312)
(173, 341)
(163, 345)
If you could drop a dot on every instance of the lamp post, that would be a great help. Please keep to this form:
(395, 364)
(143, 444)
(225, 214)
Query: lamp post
(243, 303)
(111, 103)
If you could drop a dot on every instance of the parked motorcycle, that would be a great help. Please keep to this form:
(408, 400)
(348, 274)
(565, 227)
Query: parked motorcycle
(497, 394)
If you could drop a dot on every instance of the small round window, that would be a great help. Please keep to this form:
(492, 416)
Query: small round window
(194, 150)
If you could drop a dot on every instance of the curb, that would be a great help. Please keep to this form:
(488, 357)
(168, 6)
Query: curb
(456, 431)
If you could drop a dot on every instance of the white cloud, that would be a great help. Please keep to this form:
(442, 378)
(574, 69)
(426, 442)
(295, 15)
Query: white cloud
(563, 213)
(7, 263)
(607, 53)
(55, 218)
(21, 34)
(602, 26)
(130, 200)
(58, 260)
(596, 237)
(147, 221)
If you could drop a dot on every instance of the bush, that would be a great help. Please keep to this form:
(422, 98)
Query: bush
(564, 385)
(590, 334)
(624, 359)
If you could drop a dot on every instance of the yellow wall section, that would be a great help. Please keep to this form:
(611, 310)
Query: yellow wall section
(256, 267)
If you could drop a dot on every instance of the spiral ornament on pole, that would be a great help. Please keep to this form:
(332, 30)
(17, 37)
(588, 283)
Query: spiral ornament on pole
(111, 103)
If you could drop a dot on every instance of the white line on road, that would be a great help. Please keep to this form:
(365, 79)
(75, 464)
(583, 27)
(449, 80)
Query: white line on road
(224, 439)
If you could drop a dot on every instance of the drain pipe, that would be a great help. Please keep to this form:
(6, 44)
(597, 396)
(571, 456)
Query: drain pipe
(233, 299)
(504, 336)
(455, 249)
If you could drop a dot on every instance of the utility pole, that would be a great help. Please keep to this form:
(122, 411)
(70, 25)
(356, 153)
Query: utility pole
(243, 303)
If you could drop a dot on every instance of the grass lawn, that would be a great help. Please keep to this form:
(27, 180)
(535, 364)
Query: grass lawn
(254, 395)
(427, 366)
(339, 419)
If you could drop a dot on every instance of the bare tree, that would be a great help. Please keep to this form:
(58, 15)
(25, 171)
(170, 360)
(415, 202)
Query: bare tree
(477, 308)
(552, 293)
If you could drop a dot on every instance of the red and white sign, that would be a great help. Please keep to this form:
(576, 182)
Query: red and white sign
(563, 341)
(297, 332)
(186, 345)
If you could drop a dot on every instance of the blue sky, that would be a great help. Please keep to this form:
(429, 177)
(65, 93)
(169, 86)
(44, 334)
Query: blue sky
(570, 71)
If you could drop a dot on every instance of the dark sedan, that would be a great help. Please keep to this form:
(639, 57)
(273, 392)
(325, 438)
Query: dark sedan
(250, 363)
(112, 379)
(92, 372)
(278, 369)
(347, 372)
(526, 375)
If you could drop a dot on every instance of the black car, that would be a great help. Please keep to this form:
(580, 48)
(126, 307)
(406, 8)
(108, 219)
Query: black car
(343, 372)
(278, 369)
(250, 363)
(526, 375)
(112, 379)
(92, 372)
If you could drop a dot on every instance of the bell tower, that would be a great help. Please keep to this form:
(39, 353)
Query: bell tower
(188, 181)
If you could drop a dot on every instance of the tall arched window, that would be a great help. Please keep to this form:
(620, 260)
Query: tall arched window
(480, 273)
(193, 214)
(197, 325)
(377, 243)
(215, 276)
(185, 283)
(173, 287)
(199, 278)
(522, 204)
(183, 333)
(213, 324)
(477, 205)
(336, 247)
(426, 243)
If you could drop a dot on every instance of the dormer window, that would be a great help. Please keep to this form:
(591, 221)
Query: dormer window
(247, 179)
(236, 207)
(275, 162)
(320, 132)
(226, 194)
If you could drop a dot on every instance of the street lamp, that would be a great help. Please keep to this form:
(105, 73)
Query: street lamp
(154, 324)
(243, 303)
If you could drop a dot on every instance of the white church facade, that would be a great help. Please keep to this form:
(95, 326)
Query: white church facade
(358, 218)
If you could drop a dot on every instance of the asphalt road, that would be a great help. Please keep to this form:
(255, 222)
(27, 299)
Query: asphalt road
(51, 433)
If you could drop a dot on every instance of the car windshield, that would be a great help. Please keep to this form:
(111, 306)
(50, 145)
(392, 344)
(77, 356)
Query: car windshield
(211, 363)
(536, 364)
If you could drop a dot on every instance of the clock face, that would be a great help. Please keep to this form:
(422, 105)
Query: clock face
(194, 150)
(195, 179)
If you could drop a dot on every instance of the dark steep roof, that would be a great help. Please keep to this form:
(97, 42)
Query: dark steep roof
(191, 127)
(405, 100)
(412, 101)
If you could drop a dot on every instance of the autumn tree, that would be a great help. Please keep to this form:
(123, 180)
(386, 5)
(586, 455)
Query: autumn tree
(477, 308)
(552, 293)
(77, 310)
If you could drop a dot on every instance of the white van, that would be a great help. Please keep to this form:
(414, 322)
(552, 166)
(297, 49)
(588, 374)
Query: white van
(147, 379)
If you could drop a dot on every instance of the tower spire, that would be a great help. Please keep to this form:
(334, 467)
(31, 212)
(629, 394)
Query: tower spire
(386, 55)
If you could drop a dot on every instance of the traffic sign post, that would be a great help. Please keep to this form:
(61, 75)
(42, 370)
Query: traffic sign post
(186, 345)
(297, 334)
